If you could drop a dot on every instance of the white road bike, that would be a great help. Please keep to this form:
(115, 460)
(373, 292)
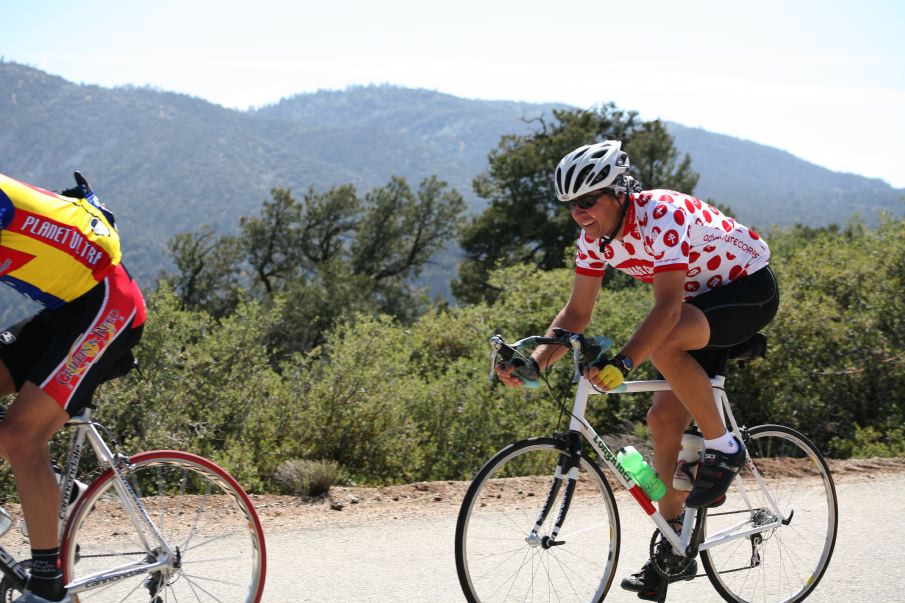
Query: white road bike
(160, 526)
(540, 522)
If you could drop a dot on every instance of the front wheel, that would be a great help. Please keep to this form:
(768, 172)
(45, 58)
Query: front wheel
(498, 558)
(785, 563)
(212, 543)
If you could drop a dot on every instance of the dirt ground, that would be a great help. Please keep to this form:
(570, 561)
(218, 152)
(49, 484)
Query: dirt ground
(352, 505)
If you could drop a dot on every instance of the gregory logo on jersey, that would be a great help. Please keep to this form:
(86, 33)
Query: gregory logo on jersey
(91, 346)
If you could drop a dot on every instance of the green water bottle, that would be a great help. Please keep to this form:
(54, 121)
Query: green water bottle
(642, 473)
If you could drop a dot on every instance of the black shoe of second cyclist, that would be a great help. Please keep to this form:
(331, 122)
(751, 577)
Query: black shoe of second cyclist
(715, 475)
(648, 581)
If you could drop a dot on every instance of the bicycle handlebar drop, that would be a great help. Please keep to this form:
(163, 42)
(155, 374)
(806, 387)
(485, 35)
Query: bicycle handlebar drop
(585, 351)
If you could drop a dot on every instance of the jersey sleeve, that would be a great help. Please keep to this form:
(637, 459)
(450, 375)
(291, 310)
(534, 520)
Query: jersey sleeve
(588, 259)
(668, 238)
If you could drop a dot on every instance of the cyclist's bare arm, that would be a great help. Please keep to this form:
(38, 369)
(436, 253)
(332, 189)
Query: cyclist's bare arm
(575, 316)
(661, 320)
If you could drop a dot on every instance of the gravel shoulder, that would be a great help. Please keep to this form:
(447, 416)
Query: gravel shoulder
(350, 505)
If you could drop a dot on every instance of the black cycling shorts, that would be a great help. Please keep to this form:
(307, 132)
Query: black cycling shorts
(68, 351)
(735, 312)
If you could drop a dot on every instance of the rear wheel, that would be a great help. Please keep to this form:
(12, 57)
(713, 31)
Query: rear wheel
(498, 558)
(216, 544)
(785, 563)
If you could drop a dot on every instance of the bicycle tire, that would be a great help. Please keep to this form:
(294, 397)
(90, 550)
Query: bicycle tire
(795, 555)
(183, 494)
(497, 514)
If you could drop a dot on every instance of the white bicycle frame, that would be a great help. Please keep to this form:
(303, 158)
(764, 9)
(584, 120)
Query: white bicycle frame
(680, 542)
(144, 526)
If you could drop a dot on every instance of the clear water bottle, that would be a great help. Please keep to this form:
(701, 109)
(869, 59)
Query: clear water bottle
(641, 473)
(5, 521)
(687, 463)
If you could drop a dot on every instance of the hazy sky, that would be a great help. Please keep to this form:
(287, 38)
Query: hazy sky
(823, 80)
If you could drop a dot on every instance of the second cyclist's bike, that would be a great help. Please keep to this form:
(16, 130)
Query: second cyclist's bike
(540, 522)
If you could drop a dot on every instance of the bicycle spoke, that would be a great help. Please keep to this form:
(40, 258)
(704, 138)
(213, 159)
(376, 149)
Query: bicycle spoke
(204, 590)
(213, 580)
(496, 559)
(789, 559)
(219, 521)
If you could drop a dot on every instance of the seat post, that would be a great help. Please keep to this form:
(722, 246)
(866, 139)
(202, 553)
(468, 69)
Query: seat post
(722, 364)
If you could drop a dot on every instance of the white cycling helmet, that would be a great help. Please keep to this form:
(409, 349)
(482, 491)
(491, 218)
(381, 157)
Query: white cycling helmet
(591, 168)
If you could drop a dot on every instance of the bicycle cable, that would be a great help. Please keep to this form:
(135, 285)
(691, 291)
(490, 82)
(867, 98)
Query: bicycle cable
(558, 400)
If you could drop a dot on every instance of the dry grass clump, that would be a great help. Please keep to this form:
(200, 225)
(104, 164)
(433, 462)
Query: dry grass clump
(304, 477)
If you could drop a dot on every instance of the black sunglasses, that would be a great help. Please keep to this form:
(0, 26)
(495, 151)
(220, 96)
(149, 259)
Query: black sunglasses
(586, 202)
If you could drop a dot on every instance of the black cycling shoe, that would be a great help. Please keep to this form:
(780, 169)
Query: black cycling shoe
(648, 580)
(715, 474)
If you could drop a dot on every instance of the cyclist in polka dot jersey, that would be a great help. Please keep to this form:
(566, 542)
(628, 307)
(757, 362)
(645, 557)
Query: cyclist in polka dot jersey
(665, 231)
(712, 289)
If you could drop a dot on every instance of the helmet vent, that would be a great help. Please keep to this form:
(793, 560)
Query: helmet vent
(584, 173)
(568, 182)
(602, 175)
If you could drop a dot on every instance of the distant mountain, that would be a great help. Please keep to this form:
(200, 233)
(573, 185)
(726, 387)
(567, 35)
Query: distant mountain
(767, 186)
(168, 163)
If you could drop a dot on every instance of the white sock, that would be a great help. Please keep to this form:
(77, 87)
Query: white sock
(725, 443)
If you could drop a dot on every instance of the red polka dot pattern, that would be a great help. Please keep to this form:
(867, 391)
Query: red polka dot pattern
(666, 231)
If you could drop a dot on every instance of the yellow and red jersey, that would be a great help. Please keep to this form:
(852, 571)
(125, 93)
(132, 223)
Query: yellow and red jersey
(53, 249)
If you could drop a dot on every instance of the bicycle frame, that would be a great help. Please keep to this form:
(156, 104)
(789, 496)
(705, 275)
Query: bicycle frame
(145, 528)
(682, 543)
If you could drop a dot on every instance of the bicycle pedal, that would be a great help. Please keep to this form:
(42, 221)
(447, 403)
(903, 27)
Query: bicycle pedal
(653, 595)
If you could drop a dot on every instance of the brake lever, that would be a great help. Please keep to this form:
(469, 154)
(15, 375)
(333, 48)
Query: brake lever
(576, 356)
(575, 342)
(496, 342)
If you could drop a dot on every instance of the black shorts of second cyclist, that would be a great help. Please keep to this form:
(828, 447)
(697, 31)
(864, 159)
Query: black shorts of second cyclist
(735, 312)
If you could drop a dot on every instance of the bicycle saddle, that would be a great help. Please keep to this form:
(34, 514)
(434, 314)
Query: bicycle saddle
(753, 347)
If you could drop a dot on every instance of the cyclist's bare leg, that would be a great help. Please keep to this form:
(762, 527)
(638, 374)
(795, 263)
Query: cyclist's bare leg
(32, 419)
(667, 419)
(688, 379)
(7, 386)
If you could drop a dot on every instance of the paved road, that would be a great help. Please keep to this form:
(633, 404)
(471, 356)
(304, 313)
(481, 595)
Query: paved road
(412, 560)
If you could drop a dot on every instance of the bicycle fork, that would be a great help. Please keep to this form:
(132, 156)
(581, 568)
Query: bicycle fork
(566, 469)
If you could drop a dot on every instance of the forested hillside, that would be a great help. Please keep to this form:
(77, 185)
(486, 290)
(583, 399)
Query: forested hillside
(394, 402)
(168, 163)
(292, 327)
(768, 187)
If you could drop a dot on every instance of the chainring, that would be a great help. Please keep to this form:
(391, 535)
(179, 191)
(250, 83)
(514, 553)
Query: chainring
(668, 564)
(8, 592)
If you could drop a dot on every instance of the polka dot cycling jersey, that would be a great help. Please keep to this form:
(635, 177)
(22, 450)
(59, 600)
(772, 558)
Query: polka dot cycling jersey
(665, 231)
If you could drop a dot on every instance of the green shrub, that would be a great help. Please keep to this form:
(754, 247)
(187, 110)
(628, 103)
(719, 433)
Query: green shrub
(869, 442)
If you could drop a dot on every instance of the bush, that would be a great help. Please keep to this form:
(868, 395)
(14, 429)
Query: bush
(869, 442)
(303, 477)
(392, 403)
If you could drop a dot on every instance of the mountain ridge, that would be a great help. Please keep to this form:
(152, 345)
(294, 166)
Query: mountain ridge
(168, 162)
